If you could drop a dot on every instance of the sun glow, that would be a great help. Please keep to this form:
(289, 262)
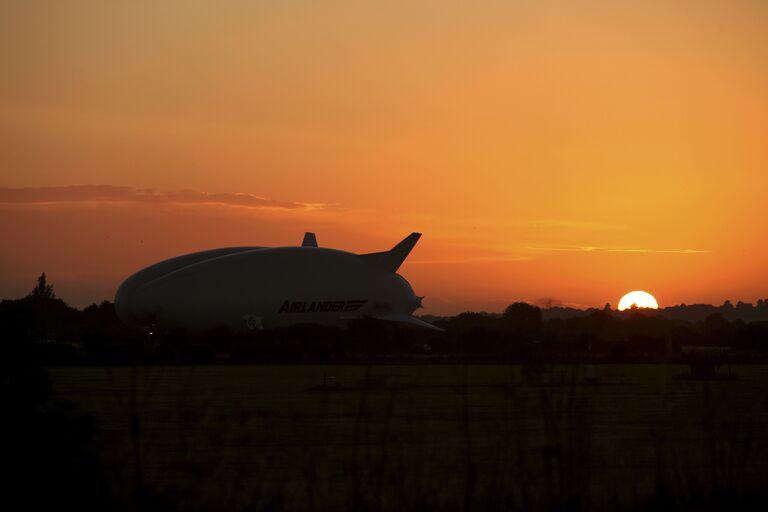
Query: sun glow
(639, 299)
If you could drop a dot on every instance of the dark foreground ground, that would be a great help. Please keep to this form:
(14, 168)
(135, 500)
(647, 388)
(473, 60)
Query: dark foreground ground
(428, 437)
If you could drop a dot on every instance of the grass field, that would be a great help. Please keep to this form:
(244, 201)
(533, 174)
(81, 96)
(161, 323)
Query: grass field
(427, 437)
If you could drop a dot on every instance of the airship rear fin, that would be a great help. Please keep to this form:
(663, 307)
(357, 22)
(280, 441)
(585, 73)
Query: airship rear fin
(309, 240)
(392, 259)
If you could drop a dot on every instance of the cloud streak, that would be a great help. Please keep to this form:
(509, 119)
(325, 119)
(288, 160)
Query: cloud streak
(88, 194)
(640, 250)
(571, 224)
(473, 259)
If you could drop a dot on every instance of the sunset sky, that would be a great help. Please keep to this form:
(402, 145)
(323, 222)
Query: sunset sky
(567, 151)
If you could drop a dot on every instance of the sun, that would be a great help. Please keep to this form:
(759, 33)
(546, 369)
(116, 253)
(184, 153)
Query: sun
(639, 299)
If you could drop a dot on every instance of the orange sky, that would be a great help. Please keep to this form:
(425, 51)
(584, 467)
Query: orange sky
(571, 150)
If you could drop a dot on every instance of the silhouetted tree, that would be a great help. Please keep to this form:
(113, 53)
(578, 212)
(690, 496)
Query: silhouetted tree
(40, 315)
(43, 290)
(469, 321)
(522, 319)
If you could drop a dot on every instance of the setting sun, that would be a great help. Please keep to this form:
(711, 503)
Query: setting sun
(638, 298)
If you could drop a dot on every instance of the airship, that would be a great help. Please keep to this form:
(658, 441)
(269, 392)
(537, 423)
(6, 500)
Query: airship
(251, 288)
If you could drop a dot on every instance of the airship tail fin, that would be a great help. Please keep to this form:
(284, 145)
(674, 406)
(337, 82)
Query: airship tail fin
(392, 259)
(309, 240)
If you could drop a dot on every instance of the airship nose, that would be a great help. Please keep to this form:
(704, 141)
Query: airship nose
(128, 306)
(124, 305)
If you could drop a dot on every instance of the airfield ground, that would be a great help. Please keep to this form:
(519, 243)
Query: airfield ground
(450, 437)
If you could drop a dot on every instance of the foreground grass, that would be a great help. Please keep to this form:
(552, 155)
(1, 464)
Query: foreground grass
(426, 437)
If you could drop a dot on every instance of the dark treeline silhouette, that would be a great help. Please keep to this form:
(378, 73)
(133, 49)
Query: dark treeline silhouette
(44, 328)
(745, 311)
(47, 443)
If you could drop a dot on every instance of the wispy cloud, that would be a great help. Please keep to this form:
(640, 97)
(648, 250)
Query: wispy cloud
(117, 194)
(573, 224)
(472, 259)
(591, 248)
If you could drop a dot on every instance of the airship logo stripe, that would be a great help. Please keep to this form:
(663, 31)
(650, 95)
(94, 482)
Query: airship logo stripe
(354, 305)
(321, 306)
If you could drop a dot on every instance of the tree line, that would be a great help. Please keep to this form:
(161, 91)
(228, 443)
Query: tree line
(43, 327)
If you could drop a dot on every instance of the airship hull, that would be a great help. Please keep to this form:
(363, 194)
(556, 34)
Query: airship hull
(251, 288)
